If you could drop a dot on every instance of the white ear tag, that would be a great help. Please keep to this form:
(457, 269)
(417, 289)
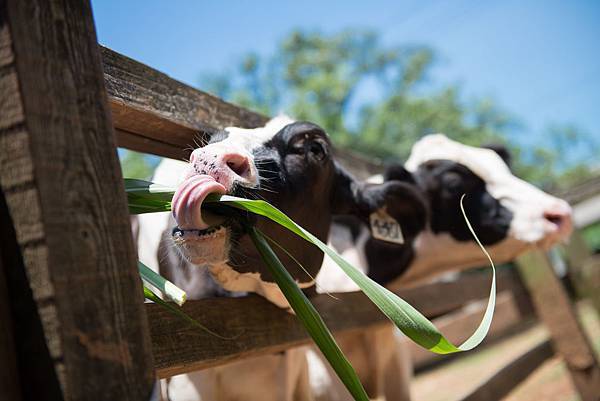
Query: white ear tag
(384, 227)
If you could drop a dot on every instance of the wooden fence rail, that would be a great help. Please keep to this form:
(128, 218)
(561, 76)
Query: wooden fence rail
(69, 288)
(262, 328)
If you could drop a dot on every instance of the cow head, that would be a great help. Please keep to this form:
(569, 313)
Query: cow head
(508, 214)
(290, 165)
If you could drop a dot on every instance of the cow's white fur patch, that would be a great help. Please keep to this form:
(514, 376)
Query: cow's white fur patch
(331, 278)
(252, 138)
(375, 179)
(235, 281)
(485, 163)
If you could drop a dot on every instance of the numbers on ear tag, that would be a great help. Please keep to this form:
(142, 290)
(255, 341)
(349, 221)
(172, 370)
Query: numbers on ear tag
(384, 227)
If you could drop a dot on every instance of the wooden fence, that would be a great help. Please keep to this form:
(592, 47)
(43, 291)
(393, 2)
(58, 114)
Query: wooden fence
(74, 325)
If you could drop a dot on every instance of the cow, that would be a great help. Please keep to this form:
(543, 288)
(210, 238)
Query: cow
(508, 214)
(208, 252)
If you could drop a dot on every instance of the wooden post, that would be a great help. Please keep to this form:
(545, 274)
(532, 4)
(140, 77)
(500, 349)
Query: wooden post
(583, 269)
(577, 251)
(60, 176)
(555, 309)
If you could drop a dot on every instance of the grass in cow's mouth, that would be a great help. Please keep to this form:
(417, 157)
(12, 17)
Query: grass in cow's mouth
(146, 197)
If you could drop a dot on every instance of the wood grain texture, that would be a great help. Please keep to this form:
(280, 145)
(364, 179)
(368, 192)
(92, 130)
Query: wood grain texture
(510, 375)
(556, 310)
(171, 116)
(261, 328)
(61, 178)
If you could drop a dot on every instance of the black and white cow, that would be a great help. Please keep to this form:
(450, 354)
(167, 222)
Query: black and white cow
(508, 215)
(289, 164)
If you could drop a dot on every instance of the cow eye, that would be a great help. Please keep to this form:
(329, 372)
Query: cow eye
(317, 150)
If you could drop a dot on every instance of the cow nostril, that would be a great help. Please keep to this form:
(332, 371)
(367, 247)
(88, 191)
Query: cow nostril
(555, 218)
(239, 165)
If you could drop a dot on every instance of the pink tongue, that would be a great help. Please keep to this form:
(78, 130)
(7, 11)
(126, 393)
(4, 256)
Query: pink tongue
(188, 199)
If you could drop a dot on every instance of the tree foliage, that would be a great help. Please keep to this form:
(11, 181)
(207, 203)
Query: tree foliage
(378, 100)
(136, 165)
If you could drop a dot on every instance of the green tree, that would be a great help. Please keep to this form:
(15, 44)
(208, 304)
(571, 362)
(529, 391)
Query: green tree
(136, 165)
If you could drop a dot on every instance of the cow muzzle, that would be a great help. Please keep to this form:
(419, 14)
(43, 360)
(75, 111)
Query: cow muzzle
(202, 236)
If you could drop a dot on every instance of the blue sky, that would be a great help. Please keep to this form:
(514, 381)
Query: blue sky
(540, 60)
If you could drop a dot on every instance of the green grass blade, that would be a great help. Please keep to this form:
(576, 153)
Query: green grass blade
(309, 317)
(170, 290)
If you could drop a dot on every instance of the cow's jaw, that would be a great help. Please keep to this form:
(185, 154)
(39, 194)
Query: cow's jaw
(204, 247)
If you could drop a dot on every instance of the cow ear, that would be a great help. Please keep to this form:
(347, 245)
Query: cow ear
(395, 199)
(396, 171)
(501, 150)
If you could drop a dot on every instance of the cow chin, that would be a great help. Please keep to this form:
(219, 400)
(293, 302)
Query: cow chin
(206, 249)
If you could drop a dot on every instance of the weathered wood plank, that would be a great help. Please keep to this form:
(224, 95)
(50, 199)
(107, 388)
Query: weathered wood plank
(510, 375)
(555, 309)
(60, 175)
(263, 328)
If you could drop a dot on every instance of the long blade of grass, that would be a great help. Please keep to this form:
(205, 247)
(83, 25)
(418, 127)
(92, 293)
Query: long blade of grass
(309, 317)
(410, 321)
